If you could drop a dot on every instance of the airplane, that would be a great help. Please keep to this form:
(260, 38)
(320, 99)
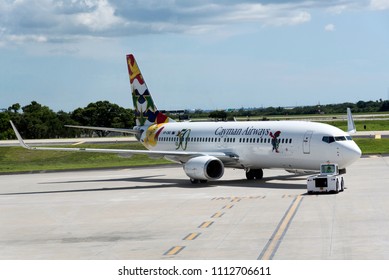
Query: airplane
(205, 149)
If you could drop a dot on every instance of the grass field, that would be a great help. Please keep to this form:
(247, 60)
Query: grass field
(371, 125)
(373, 146)
(17, 159)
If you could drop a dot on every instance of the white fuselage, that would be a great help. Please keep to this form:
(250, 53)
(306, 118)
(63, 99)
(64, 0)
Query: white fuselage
(265, 144)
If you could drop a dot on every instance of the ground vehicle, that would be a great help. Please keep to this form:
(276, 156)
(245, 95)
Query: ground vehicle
(329, 179)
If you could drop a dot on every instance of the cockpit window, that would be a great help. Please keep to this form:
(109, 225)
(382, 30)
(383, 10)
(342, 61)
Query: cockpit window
(340, 138)
(328, 139)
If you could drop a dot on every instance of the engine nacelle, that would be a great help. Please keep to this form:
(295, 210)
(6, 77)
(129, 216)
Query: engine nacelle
(204, 168)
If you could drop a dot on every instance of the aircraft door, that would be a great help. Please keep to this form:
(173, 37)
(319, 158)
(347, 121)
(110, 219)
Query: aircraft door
(307, 142)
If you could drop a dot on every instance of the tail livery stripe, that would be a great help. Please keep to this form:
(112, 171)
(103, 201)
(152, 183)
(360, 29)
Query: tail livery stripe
(146, 113)
(133, 70)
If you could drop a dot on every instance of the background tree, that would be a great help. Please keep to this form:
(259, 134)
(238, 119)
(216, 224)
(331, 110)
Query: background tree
(12, 113)
(104, 114)
(218, 115)
(38, 122)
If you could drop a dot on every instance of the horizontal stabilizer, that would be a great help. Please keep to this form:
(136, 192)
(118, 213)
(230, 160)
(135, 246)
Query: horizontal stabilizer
(180, 156)
(121, 130)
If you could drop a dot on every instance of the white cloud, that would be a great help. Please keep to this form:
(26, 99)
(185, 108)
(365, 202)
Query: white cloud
(52, 21)
(337, 9)
(59, 21)
(102, 16)
(329, 27)
(379, 4)
(27, 38)
(276, 15)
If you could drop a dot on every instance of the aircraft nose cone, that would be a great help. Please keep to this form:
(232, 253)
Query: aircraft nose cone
(353, 153)
(358, 151)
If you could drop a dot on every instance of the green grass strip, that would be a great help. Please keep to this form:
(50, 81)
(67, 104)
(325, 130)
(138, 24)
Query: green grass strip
(17, 159)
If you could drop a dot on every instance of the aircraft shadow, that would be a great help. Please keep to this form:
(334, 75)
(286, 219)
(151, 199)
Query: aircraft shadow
(283, 182)
(157, 183)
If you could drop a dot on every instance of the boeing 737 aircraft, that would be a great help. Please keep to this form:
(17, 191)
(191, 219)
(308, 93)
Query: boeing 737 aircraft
(206, 148)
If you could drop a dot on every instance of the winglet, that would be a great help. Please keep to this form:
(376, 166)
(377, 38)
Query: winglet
(350, 122)
(21, 141)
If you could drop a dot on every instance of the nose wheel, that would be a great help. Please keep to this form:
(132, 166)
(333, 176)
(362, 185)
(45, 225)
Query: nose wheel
(254, 174)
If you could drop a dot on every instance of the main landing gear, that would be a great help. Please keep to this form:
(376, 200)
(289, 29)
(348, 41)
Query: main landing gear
(254, 174)
(251, 174)
(198, 181)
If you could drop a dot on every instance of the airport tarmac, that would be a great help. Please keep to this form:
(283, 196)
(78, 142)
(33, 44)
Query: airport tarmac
(156, 213)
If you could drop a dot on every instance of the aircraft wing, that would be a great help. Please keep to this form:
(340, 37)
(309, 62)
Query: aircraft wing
(122, 130)
(180, 156)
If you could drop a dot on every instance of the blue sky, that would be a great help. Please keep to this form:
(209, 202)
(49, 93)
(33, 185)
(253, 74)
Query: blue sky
(205, 54)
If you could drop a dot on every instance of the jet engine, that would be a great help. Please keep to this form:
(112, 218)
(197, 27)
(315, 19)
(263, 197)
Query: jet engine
(204, 168)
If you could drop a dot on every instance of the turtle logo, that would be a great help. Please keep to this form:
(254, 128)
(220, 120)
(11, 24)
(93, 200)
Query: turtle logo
(274, 141)
(183, 136)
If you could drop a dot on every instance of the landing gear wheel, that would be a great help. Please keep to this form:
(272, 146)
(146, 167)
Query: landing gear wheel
(342, 185)
(256, 174)
(196, 181)
(250, 175)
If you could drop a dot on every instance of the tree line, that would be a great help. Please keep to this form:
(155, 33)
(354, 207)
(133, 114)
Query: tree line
(36, 121)
(359, 107)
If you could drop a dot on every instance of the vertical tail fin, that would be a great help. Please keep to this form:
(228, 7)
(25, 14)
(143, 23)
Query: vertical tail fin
(146, 113)
(350, 122)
